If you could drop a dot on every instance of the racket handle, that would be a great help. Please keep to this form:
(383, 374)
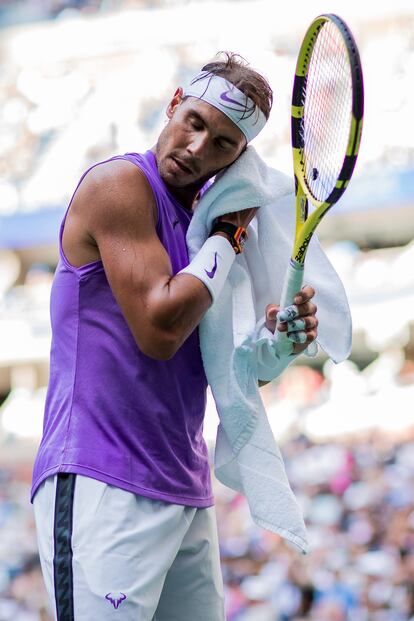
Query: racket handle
(291, 286)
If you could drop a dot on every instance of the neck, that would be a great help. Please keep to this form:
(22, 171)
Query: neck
(187, 197)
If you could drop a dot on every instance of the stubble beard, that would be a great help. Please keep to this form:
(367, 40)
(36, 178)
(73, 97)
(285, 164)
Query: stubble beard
(161, 157)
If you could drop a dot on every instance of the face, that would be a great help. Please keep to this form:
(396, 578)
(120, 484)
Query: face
(196, 144)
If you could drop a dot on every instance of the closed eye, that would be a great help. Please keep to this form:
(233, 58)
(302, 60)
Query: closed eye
(196, 122)
(196, 125)
(223, 144)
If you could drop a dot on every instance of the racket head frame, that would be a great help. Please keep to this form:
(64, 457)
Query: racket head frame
(306, 224)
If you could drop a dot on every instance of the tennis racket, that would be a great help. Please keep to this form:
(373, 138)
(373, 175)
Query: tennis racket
(327, 113)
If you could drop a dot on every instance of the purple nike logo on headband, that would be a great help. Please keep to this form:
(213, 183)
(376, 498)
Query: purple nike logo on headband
(213, 271)
(244, 109)
(225, 97)
(238, 105)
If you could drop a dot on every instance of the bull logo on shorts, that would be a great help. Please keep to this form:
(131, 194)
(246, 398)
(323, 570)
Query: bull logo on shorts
(116, 599)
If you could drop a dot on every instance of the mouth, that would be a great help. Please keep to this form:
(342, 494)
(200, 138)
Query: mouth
(182, 166)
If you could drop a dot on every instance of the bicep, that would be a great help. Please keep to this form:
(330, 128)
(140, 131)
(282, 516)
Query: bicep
(138, 269)
(122, 224)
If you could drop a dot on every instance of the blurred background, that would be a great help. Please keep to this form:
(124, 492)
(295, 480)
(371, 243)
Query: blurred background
(81, 81)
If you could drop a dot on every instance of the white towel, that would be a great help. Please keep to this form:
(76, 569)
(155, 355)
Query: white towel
(236, 350)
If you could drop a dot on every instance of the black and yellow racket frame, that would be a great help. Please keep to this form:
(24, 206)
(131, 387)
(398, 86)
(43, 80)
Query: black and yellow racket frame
(306, 224)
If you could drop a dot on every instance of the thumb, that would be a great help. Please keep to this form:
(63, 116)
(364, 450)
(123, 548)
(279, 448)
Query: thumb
(271, 315)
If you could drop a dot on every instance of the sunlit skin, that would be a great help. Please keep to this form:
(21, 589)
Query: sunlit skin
(195, 145)
(198, 142)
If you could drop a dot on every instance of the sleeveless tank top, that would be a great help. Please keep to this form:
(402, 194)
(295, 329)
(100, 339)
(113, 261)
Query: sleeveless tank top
(113, 413)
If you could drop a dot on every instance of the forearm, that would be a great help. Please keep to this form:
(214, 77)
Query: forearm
(181, 302)
(177, 309)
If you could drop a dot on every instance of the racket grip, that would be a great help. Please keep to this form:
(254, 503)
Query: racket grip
(291, 286)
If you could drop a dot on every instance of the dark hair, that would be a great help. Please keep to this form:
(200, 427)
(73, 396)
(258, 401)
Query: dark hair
(237, 71)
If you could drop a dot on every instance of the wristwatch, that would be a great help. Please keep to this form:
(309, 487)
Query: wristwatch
(237, 234)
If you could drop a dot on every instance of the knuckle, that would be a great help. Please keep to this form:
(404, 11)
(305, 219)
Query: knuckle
(310, 291)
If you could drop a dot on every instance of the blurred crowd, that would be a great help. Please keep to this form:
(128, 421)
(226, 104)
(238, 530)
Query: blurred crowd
(22, 11)
(358, 500)
(357, 493)
(103, 96)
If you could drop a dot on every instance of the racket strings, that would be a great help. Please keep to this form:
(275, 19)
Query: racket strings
(324, 112)
(323, 93)
(327, 112)
(325, 120)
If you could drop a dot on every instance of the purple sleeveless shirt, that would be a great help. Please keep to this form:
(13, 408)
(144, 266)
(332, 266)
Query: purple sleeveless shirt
(113, 413)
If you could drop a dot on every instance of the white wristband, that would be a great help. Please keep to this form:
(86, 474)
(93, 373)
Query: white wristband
(212, 263)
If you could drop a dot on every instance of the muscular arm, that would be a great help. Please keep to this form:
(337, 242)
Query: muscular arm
(117, 205)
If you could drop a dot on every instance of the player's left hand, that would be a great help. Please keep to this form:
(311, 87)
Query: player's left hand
(299, 320)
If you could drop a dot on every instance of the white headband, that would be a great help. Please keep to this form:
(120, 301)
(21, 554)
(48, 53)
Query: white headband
(224, 96)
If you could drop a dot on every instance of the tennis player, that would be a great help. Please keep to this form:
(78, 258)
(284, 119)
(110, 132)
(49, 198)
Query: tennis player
(121, 485)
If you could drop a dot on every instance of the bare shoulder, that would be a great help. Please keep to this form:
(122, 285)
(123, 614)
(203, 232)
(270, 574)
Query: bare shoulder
(115, 174)
(113, 189)
(113, 198)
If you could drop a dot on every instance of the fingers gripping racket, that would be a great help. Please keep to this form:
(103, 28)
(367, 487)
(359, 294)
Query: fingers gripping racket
(327, 112)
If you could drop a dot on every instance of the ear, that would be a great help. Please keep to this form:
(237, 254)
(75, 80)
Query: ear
(175, 101)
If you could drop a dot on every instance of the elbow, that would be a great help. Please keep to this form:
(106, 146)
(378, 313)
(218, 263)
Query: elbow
(159, 337)
(162, 347)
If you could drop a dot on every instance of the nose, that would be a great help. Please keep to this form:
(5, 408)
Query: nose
(198, 144)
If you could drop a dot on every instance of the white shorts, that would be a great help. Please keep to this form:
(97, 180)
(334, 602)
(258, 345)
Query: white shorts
(109, 554)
